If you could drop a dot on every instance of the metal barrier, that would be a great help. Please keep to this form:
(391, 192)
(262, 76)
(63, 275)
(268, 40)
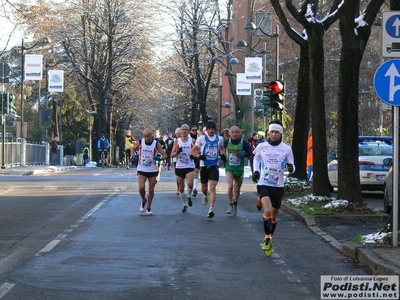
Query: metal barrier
(35, 153)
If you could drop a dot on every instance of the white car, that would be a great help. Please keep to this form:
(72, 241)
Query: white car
(371, 153)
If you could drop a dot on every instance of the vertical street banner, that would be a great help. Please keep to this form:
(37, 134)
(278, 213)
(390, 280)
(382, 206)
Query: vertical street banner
(253, 69)
(33, 67)
(243, 87)
(56, 80)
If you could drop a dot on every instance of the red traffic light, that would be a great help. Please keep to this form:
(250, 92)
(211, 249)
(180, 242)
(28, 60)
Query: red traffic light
(276, 86)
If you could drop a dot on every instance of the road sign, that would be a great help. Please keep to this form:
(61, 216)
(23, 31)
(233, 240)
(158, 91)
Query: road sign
(391, 34)
(387, 82)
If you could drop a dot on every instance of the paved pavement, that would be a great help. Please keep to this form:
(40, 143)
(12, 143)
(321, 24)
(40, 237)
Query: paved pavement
(379, 259)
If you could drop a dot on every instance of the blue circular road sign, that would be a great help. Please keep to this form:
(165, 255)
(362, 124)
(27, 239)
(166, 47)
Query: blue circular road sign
(387, 82)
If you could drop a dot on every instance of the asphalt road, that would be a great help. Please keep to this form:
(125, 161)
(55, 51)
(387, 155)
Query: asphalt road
(80, 235)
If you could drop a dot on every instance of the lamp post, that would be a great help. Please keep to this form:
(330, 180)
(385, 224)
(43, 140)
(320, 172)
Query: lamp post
(23, 49)
(226, 105)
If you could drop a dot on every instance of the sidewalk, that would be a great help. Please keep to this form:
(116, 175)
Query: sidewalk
(30, 170)
(378, 259)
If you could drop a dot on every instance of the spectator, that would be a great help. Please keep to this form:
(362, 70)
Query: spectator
(86, 155)
(69, 152)
(79, 146)
(310, 158)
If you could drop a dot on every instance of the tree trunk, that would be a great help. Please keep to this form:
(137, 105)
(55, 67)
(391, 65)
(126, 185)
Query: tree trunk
(354, 41)
(302, 115)
(320, 178)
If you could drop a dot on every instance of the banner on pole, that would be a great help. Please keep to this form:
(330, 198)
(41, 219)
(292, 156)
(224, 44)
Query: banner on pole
(33, 67)
(243, 87)
(56, 81)
(253, 69)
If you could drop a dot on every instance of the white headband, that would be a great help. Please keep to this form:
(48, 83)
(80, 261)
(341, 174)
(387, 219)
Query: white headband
(275, 127)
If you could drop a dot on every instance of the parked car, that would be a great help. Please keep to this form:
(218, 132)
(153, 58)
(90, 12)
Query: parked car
(372, 151)
(388, 188)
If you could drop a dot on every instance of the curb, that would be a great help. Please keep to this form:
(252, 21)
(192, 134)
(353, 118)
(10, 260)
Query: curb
(367, 257)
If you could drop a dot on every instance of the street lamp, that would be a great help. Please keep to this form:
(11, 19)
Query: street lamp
(226, 105)
(23, 48)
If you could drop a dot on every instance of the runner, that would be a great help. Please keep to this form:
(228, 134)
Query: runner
(159, 161)
(207, 148)
(147, 167)
(194, 136)
(236, 149)
(270, 160)
(184, 167)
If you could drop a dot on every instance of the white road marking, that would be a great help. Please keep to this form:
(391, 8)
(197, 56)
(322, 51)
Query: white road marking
(50, 246)
(5, 288)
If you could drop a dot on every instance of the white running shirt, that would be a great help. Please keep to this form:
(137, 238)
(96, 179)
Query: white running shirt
(183, 160)
(271, 162)
(147, 153)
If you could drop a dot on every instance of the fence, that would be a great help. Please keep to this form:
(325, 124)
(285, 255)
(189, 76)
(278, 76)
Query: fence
(32, 154)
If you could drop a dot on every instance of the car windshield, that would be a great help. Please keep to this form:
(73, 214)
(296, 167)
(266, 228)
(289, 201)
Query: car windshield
(375, 149)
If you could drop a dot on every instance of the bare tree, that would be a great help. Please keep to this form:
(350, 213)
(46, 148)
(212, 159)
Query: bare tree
(355, 29)
(198, 33)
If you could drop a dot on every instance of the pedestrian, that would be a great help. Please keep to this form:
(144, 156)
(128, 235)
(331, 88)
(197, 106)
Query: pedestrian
(79, 146)
(310, 158)
(274, 156)
(194, 136)
(184, 167)
(129, 143)
(169, 145)
(208, 148)
(236, 149)
(54, 151)
(147, 168)
(160, 162)
(69, 152)
(86, 155)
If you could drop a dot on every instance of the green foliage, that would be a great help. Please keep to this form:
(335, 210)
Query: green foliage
(359, 238)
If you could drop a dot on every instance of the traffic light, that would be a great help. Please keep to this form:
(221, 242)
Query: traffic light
(1, 102)
(266, 101)
(10, 103)
(277, 88)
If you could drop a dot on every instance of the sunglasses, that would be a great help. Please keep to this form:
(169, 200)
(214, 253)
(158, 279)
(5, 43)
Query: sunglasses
(194, 130)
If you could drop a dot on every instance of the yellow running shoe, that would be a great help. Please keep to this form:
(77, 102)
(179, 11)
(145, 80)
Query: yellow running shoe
(267, 247)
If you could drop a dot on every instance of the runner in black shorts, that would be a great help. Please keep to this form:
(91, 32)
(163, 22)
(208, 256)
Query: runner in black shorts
(274, 156)
(184, 167)
(208, 148)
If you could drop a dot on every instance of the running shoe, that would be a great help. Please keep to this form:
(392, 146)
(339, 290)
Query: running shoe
(267, 247)
(190, 203)
(205, 199)
(149, 212)
(234, 208)
(143, 205)
(185, 208)
(259, 204)
(230, 209)
(210, 213)
(194, 193)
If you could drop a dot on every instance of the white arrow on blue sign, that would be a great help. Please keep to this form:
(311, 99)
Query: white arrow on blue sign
(387, 82)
